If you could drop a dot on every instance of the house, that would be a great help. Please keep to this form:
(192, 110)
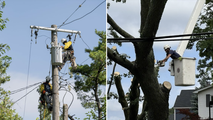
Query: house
(182, 106)
(205, 95)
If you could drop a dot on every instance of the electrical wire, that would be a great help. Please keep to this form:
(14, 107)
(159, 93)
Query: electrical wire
(85, 43)
(86, 14)
(64, 97)
(72, 14)
(85, 60)
(159, 39)
(146, 40)
(27, 76)
(26, 94)
(21, 89)
(72, 96)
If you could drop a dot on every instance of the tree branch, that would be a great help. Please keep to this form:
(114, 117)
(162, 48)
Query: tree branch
(123, 62)
(111, 78)
(117, 28)
(121, 95)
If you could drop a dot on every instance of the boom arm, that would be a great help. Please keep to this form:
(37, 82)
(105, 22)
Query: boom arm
(190, 27)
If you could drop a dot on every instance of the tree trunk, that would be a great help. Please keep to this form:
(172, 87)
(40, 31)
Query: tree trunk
(134, 100)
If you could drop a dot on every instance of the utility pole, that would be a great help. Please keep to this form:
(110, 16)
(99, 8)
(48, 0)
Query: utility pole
(65, 112)
(55, 94)
(55, 77)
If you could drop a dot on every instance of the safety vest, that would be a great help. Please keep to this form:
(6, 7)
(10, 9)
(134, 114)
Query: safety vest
(68, 46)
(46, 87)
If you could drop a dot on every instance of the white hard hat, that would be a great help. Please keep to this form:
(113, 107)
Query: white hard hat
(63, 40)
(166, 47)
(48, 79)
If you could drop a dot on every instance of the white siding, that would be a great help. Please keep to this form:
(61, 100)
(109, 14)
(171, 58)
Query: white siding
(203, 111)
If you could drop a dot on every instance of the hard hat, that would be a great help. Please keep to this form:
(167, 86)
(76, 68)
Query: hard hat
(63, 40)
(48, 79)
(166, 47)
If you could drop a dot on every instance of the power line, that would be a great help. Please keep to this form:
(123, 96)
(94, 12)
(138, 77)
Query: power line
(158, 39)
(149, 40)
(72, 14)
(27, 76)
(26, 94)
(85, 43)
(85, 60)
(65, 94)
(86, 14)
(21, 89)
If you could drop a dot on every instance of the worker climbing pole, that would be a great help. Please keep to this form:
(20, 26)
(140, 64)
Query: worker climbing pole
(68, 54)
(46, 94)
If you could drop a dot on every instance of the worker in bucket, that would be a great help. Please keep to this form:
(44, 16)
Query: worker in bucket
(46, 94)
(68, 54)
(170, 53)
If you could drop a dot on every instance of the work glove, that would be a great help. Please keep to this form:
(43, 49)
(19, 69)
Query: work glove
(180, 58)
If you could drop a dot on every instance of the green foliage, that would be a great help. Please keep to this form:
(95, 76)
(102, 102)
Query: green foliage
(90, 78)
(2, 21)
(92, 116)
(44, 112)
(4, 63)
(6, 111)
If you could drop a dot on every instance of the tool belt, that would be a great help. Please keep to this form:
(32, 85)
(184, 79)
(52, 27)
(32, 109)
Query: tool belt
(70, 54)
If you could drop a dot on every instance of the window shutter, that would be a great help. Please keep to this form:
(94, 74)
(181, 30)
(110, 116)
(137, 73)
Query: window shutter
(207, 100)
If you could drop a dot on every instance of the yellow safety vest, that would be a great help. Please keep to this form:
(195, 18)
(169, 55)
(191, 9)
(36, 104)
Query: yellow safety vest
(67, 45)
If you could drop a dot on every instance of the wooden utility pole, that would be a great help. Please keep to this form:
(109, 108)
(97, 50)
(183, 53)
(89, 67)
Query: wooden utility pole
(55, 95)
(55, 77)
(65, 112)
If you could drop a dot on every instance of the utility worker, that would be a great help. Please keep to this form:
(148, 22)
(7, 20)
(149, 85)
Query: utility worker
(68, 54)
(170, 53)
(46, 92)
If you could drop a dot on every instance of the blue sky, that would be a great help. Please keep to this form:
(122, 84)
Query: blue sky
(17, 35)
(174, 21)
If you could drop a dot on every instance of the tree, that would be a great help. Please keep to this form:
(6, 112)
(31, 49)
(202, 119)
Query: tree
(2, 21)
(90, 79)
(204, 47)
(156, 94)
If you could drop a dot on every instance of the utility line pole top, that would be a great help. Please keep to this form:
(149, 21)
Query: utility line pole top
(55, 29)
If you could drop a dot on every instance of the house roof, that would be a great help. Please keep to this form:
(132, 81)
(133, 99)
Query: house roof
(202, 89)
(184, 99)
